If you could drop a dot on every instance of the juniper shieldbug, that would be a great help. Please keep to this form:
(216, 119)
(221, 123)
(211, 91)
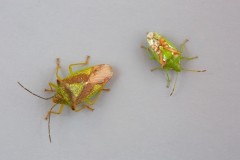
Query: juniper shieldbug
(79, 88)
(167, 55)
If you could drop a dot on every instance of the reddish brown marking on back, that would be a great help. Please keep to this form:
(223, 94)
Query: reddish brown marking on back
(167, 47)
(65, 85)
(163, 43)
(85, 92)
(100, 74)
(77, 79)
(81, 78)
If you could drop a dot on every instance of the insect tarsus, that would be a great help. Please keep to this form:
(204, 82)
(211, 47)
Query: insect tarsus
(49, 128)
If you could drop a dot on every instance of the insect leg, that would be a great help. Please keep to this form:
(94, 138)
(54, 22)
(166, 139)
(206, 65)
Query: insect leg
(78, 110)
(84, 106)
(182, 46)
(189, 58)
(106, 89)
(58, 67)
(168, 78)
(174, 84)
(150, 56)
(191, 70)
(144, 47)
(49, 119)
(76, 64)
(94, 100)
(90, 108)
(54, 112)
(156, 68)
(52, 86)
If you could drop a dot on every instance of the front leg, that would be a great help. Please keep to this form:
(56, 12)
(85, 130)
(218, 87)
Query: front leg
(150, 56)
(52, 86)
(156, 68)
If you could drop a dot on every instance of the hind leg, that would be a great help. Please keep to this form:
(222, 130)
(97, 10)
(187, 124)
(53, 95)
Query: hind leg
(192, 70)
(174, 86)
(83, 107)
(189, 58)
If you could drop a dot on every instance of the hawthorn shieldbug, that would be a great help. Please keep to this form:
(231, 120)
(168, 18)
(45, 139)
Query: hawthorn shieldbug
(167, 55)
(79, 88)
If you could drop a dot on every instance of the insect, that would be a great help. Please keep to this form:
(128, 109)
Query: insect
(79, 90)
(167, 55)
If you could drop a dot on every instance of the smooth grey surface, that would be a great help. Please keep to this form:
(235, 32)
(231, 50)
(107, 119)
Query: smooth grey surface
(137, 120)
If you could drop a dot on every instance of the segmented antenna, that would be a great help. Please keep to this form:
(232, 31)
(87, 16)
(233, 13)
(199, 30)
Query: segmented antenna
(34, 93)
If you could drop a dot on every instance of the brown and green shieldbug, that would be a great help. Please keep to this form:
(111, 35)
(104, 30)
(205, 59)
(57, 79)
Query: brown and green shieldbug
(79, 90)
(167, 55)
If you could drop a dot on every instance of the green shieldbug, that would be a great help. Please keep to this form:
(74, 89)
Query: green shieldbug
(79, 88)
(167, 55)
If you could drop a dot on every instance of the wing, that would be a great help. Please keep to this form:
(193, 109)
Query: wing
(101, 74)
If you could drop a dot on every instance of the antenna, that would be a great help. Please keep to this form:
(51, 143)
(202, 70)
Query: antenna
(34, 93)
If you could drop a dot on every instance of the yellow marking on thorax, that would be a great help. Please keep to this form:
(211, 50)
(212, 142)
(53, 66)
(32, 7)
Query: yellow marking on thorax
(76, 88)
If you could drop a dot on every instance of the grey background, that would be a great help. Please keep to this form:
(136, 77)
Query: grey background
(137, 120)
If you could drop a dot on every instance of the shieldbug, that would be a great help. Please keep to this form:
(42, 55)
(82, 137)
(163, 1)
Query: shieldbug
(167, 55)
(79, 88)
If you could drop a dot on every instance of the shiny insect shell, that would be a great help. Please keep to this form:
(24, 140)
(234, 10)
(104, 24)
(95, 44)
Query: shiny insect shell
(167, 55)
(79, 88)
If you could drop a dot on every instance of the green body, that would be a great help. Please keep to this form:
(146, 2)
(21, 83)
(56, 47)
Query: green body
(172, 61)
(167, 55)
(80, 88)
